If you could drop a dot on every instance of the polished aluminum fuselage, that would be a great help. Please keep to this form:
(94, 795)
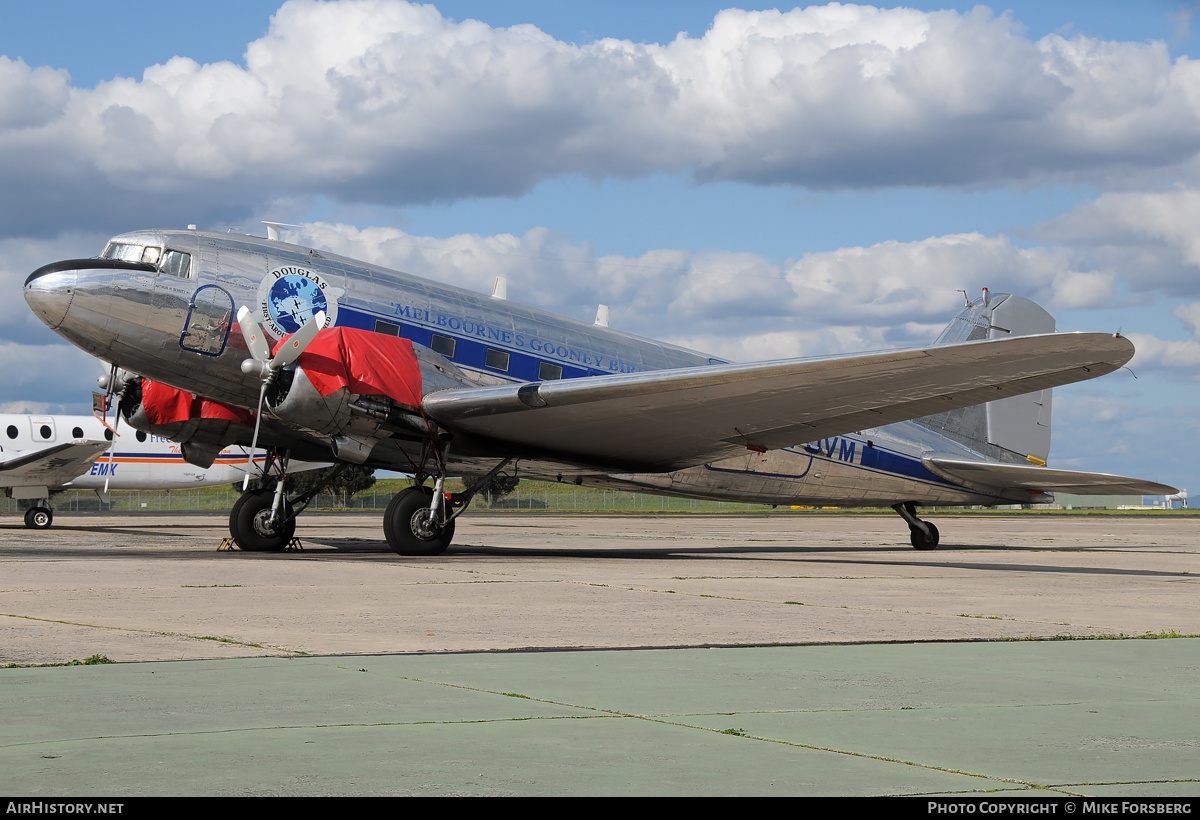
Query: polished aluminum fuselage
(178, 331)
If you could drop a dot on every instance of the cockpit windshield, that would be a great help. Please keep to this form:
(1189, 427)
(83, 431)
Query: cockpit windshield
(131, 253)
(173, 263)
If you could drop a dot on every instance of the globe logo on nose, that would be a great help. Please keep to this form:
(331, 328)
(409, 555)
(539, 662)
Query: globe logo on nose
(293, 300)
(290, 296)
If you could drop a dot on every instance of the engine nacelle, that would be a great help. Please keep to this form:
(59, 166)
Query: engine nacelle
(358, 388)
(202, 427)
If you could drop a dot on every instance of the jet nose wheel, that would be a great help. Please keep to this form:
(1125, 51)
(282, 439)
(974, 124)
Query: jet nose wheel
(39, 518)
(920, 540)
(410, 528)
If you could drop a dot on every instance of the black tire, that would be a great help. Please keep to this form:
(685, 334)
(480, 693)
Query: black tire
(920, 541)
(401, 525)
(233, 512)
(39, 518)
(248, 524)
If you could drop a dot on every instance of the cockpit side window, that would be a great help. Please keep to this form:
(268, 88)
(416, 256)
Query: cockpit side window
(176, 263)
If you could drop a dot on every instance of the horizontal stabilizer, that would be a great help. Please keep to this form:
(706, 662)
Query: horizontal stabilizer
(992, 476)
(670, 419)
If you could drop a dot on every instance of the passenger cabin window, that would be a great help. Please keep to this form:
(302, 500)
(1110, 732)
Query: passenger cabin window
(76, 432)
(12, 431)
(549, 372)
(443, 345)
(496, 359)
(176, 263)
(389, 328)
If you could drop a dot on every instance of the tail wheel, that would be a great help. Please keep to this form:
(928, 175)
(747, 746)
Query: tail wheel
(920, 540)
(39, 518)
(410, 528)
(251, 526)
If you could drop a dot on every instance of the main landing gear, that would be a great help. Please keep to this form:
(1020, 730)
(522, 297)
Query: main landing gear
(39, 517)
(264, 520)
(420, 521)
(922, 534)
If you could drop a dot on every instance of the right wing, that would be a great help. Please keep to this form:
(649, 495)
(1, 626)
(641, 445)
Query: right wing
(670, 419)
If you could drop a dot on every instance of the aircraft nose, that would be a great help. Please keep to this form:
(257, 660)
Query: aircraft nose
(49, 291)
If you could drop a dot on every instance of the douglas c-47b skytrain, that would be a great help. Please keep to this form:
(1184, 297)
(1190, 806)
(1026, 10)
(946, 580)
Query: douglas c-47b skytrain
(238, 339)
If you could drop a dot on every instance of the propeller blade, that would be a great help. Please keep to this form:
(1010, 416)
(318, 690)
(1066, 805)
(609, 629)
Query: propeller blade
(111, 445)
(253, 334)
(262, 392)
(297, 342)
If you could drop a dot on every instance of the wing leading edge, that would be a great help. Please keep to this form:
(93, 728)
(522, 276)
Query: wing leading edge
(670, 419)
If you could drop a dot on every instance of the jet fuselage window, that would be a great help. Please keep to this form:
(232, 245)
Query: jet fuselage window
(12, 431)
(496, 359)
(443, 345)
(176, 263)
(549, 372)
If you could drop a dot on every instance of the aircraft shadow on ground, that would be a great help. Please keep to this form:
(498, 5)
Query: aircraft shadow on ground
(327, 549)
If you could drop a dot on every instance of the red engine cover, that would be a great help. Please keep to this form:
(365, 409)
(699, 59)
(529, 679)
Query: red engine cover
(167, 405)
(370, 364)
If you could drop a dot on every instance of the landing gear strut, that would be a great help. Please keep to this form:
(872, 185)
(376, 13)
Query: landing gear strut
(921, 534)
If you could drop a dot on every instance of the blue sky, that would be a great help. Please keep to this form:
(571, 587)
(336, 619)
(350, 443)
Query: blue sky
(1036, 153)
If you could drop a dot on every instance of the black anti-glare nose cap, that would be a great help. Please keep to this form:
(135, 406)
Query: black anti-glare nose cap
(89, 264)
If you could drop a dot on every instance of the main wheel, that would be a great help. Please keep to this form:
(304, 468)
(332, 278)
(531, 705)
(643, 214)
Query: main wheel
(250, 524)
(237, 506)
(409, 527)
(920, 540)
(39, 518)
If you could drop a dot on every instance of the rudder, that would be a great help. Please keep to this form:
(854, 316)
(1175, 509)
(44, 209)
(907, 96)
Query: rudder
(1011, 430)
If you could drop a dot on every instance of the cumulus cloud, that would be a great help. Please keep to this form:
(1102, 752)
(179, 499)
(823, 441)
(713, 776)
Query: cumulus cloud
(383, 101)
(19, 258)
(58, 378)
(739, 305)
(1175, 358)
(1148, 239)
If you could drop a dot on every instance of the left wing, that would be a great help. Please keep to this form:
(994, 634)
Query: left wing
(670, 419)
(993, 476)
(52, 466)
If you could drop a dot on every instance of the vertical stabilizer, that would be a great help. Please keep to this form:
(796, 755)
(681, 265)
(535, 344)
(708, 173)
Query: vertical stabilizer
(1011, 430)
